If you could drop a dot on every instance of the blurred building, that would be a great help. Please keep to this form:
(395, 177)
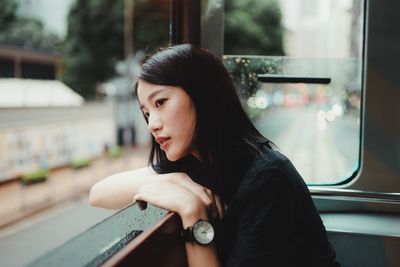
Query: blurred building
(322, 29)
(44, 124)
(131, 126)
(17, 62)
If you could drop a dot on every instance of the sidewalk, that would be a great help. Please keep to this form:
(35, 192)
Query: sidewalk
(18, 201)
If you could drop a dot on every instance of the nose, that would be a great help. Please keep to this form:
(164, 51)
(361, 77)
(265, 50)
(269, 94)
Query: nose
(154, 123)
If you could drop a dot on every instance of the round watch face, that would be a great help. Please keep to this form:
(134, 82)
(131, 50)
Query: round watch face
(203, 232)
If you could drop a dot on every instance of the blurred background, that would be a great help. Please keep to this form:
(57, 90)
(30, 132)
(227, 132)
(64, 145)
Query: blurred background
(69, 117)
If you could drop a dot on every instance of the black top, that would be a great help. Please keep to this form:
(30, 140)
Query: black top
(271, 219)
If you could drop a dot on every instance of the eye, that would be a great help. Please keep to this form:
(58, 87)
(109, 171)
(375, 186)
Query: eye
(160, 102)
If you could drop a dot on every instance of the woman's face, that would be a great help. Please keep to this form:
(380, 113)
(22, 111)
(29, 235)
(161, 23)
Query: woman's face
(171, 117)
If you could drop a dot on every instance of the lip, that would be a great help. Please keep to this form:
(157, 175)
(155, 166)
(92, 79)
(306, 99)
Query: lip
(163, 141)
(165, 144)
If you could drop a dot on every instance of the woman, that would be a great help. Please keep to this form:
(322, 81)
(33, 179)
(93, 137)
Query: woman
(241, 202)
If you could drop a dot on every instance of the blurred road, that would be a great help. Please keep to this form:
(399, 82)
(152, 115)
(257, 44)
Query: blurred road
(320, 152)
(35, 236)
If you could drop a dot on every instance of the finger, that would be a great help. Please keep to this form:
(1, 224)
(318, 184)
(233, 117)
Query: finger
(161, 194)
(201, 193)
(142, 205)
(213, 210)
(219, 205)
(144, 194)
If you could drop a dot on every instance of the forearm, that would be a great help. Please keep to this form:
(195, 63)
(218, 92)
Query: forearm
(117, 191)
(199, 255)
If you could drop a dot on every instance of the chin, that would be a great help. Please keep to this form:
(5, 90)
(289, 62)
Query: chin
(174, 156)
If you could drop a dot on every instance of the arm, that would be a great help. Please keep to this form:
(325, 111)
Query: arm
(117, 191)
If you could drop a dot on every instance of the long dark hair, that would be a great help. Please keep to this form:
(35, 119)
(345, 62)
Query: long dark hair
(224, 135)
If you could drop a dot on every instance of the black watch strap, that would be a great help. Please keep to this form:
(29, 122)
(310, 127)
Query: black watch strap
(187, 234)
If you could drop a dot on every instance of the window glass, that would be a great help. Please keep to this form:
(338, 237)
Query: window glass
(297, 67)
(68, 116)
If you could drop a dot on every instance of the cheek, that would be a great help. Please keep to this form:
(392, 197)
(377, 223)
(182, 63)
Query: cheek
(185, 121)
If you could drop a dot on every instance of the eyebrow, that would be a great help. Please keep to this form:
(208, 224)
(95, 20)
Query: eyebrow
(152, 95)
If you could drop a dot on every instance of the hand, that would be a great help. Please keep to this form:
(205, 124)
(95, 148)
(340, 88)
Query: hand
(169, 196)
(213, 203)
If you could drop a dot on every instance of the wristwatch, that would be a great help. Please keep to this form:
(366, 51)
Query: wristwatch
(201, 232)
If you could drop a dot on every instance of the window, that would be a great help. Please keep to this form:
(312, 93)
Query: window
(297, 67)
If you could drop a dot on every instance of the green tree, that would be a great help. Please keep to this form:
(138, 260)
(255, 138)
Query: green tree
(23, 32)
(7, 13)
(94, 41)
(151, 24)
(253, 27)
(29, 34)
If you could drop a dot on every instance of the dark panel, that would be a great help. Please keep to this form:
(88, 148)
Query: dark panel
(6, 68)
(353, 249)
(38, 71)
(185, 22)
(271, 78)
(160, 246)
